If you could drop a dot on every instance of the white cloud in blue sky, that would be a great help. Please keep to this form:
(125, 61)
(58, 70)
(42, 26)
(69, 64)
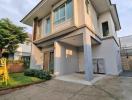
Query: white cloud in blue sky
(17, 9)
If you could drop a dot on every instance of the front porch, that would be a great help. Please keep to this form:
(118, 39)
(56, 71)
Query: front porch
(73, 54)
(80, 78)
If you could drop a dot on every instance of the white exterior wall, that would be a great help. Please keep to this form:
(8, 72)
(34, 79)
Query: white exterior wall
(81, 59)
(107, 17)
(66, 59)
(36, 61)
(23, 50)
(109, 51)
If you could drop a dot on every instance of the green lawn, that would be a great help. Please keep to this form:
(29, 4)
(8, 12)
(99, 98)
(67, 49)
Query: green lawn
(18, 79)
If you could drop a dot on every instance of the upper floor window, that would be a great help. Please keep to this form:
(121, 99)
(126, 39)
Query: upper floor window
(105, 28)
(47, 26)
(63, 12)
(87, 5)
(69, 9)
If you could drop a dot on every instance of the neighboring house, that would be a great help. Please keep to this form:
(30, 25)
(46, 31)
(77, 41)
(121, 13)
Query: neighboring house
(24, 50)
(72, 36)
(126, 42)
(126, 52)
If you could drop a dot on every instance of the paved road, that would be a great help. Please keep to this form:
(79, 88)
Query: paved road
(111, 88)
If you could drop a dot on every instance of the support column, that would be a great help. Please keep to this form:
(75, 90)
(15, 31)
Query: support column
(57, 58)
(35, 24)
(88, 64)
(36, 61)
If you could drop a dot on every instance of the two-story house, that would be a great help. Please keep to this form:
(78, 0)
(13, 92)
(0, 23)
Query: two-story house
(72, 36)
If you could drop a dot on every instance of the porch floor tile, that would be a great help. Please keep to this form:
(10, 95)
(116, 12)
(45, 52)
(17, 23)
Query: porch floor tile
(79, 78)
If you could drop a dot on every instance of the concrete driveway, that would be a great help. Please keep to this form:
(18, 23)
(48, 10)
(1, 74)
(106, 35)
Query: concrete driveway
(110, 88)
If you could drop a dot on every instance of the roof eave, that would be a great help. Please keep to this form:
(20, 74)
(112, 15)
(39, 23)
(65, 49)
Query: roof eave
(117, 21)
(23, 20)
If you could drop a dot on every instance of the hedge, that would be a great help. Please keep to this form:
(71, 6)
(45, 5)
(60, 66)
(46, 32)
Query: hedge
(45, 75)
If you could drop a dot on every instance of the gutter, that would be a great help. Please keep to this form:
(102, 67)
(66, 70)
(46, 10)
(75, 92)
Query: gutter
(117, 15)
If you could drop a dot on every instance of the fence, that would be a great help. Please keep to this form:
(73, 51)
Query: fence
(15, 68)
(126, 57)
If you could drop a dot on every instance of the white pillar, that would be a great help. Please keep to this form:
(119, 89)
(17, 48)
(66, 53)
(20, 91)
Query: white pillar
(88, 57)
(57, 57)
(36, 61)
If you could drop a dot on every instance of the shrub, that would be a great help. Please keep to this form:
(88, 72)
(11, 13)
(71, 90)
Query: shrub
(45, 75)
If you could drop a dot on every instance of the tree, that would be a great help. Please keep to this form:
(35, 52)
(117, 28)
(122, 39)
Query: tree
(10, 36)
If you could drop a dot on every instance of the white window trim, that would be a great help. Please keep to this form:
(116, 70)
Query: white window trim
(44, 25)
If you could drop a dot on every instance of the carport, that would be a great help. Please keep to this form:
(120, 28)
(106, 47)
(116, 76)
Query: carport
(73, 54)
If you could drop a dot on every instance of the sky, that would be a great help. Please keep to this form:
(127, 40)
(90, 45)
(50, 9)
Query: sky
(15, 10)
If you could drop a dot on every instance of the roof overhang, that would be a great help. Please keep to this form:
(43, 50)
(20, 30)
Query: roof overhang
(45, 6)
(115, 16)
(102, 6)
(41, 10)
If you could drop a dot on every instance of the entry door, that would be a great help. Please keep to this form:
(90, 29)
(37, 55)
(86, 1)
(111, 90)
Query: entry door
(51, 62)
(46, 60)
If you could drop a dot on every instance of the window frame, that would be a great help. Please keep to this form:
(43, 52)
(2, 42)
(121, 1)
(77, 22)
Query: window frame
(105, 34)
(57, 10)
(87, 6)
(45, 26)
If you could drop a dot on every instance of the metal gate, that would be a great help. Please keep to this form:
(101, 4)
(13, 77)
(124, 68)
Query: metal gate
(99, 66)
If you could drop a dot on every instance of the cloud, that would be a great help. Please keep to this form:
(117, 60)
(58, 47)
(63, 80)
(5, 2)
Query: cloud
(16, 10)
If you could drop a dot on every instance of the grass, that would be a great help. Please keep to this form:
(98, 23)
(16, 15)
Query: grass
(18, 79)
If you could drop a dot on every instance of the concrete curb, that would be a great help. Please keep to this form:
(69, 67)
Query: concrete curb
(9, 90)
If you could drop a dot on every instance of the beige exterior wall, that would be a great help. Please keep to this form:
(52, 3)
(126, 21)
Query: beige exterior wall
(80, 12)
(91, 18)
(63, 26)
(55, 28)
(36, 61)
(80, 18)
(23, 50)
(84, 18)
